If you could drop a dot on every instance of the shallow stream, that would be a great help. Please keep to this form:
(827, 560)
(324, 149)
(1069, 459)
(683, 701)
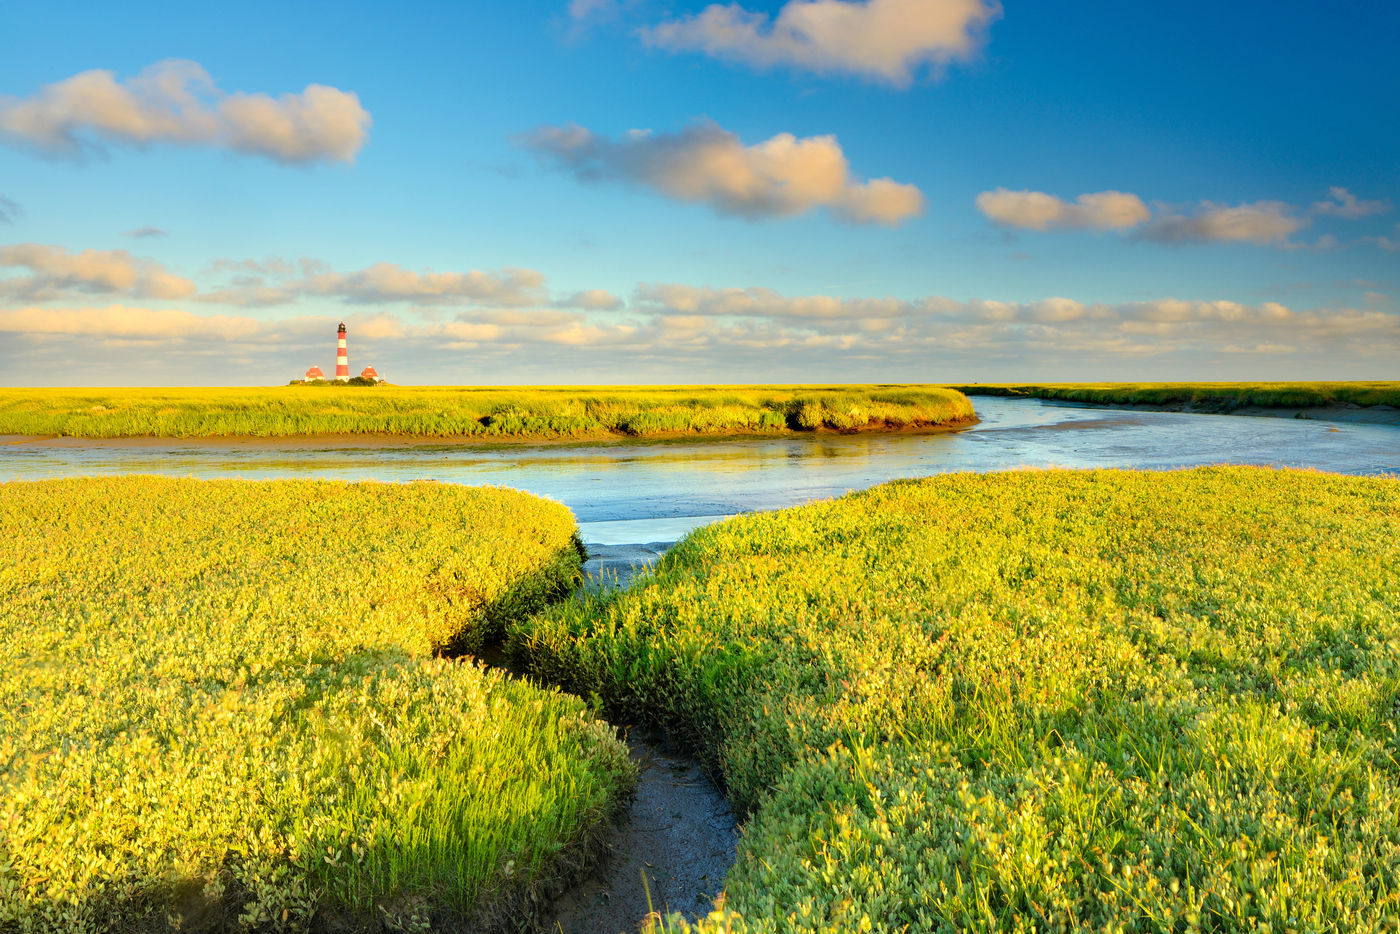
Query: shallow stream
(629, 492)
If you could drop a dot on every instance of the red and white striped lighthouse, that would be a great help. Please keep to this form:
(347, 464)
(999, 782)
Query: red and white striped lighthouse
(342, 356)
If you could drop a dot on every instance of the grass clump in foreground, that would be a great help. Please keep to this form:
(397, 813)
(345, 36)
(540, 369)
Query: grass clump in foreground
(1215, 397)
(1111, 701)
(484, 414)
(220, 708)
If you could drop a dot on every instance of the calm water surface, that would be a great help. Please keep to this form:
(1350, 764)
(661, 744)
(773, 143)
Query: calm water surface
(642, 492)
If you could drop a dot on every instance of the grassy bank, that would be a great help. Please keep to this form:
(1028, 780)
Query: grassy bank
(451, 412)
(1216, 397)
(220, 707)
(1054, 700)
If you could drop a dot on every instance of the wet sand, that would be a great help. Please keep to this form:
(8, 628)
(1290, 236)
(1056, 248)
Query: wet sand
(618, 564)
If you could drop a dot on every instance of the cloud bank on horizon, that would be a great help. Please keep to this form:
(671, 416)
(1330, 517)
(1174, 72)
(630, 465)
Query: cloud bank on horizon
(505, 317)
(721, 333)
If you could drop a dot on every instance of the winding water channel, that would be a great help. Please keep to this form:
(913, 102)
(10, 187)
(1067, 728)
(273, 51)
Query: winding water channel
(633, 492)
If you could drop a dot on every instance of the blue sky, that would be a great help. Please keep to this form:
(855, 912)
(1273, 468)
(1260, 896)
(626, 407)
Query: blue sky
(582, 191)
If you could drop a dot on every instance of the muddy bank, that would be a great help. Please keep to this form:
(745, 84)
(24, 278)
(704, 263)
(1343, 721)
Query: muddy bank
(678, 833)
(618, 564)
(375, 440)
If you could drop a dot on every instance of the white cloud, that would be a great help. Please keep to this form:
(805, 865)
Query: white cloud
(388, 282)
(9, 211)
(1342, 203)
(141, 233)
(124, 323)
(884, 40)
(1262, 223)
(593, 300)
(277, 282)
(177, 101)
(780, 177)
(1036, 210)
(56, 272)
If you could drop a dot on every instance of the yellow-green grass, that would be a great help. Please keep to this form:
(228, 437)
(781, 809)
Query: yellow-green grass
(222, 706)
(485, 414)
(1209, 396)
(1033, 701)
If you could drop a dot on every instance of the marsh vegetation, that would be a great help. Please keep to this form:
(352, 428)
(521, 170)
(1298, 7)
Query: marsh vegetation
(1222, 397)
(1036, 700)
(1055, 700)
(485, 414)
(224, 705)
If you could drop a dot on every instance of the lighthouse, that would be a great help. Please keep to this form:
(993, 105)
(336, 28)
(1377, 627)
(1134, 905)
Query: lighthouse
(342, 357)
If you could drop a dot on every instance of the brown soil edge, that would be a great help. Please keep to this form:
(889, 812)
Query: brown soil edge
(381, 440)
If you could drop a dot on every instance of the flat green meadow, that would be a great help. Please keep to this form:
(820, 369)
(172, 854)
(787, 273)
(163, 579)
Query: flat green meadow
(1031, 701)
(1217, 396)
(480, 414)
(223, 706)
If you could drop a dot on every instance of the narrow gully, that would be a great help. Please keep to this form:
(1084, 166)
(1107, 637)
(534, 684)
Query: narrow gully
(674, 842)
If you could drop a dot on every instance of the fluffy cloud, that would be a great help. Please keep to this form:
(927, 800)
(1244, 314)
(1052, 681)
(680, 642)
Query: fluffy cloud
(593, 300)
(780, 177)
(9, 211)
(388, 282)
(278, 282)
(56, 272)
(119, 322)
(1342, 203)
(177, 102)
(885, 40)
(1262, 223)
(1035, 210)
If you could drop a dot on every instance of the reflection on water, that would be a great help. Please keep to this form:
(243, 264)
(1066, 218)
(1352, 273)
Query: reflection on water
(641, 492)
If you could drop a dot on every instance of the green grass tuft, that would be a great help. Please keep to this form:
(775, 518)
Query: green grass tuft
(220, 708)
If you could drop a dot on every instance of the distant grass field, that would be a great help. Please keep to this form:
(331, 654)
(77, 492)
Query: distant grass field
(453, 412)
(220, 708)
(1211, 396)
(1032, 701)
